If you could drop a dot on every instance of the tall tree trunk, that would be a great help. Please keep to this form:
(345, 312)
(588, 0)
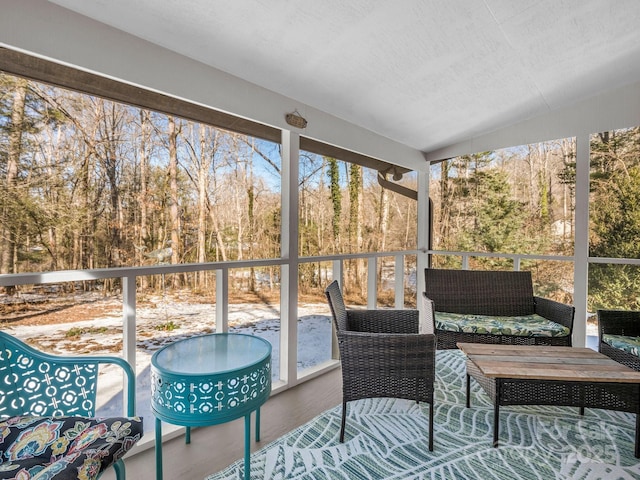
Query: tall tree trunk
(383, 222)
(359, 237)
(221, 249)
(355, 224)
(445, 205)
(7, 234)
(174, 217)
(568, 186)
(336, 202)
(250, 235)
(110, 159)
(239, 209)
(55, 198)
(145, 129)
(204, 164)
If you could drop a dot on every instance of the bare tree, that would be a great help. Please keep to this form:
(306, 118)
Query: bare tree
(7, 233)
(174, 217)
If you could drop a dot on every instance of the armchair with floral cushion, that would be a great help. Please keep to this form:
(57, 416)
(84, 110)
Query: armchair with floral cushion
(48, 427)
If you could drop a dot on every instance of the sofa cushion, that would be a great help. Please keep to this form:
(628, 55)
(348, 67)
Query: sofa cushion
(622, 342)
(65, 447)
(522, 325)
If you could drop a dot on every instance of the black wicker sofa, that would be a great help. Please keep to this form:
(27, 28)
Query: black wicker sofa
(480, 306)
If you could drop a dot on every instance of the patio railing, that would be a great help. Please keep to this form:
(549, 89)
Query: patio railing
(289, 373)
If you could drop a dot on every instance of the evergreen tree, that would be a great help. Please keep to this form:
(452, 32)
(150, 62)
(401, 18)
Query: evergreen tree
(498, 219)
(615, 233)
(336, 201)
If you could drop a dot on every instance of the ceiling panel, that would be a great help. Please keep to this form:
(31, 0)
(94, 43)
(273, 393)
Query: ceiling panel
(422, 72)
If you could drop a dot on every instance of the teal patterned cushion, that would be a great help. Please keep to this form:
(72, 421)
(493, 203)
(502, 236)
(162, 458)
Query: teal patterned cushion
(622, 342)
(522, 326)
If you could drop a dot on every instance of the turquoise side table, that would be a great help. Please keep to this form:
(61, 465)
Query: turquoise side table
(208, 380)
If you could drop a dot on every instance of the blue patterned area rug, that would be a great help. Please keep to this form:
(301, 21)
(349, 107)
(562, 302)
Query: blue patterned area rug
(387, 439)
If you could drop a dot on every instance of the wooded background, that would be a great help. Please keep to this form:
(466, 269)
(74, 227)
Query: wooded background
(522, 200)
(89, 183)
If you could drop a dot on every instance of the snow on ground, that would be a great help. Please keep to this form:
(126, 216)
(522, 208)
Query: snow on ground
(161, 321)
(97, 329)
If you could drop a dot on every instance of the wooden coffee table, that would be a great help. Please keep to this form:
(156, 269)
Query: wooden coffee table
(563, 376)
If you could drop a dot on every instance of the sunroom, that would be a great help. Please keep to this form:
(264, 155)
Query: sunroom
(488, 135)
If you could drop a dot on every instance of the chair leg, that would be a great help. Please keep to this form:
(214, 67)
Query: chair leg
(344, 420)
(120, 471)
(468, 391)
(431, 426)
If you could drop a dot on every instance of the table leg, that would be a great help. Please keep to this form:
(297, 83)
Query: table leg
(468, 391)
(496, 414)
(431, 426)
(247, 450)
(258, 424)
(637, 448)
(158, 449)
(187, 436)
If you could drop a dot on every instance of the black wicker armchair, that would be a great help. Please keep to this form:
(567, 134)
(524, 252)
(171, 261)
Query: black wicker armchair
(382, 355)
(474, 294)
(618, 336)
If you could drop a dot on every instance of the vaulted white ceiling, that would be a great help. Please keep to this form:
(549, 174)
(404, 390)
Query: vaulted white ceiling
(425, 73)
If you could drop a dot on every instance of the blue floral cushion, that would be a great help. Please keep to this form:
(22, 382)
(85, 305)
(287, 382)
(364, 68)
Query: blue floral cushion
(622, 342)
(522, 326)
(65, 448)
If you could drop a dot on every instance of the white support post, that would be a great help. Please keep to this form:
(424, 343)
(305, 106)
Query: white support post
(422, 228)
(581, 248)
(399, 282)
(222, 300)
(128, 330)
(372, 283)
(289, 246)
(423, 242)
(336, 267)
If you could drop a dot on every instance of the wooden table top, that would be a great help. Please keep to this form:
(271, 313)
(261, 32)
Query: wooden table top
(547, 363)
